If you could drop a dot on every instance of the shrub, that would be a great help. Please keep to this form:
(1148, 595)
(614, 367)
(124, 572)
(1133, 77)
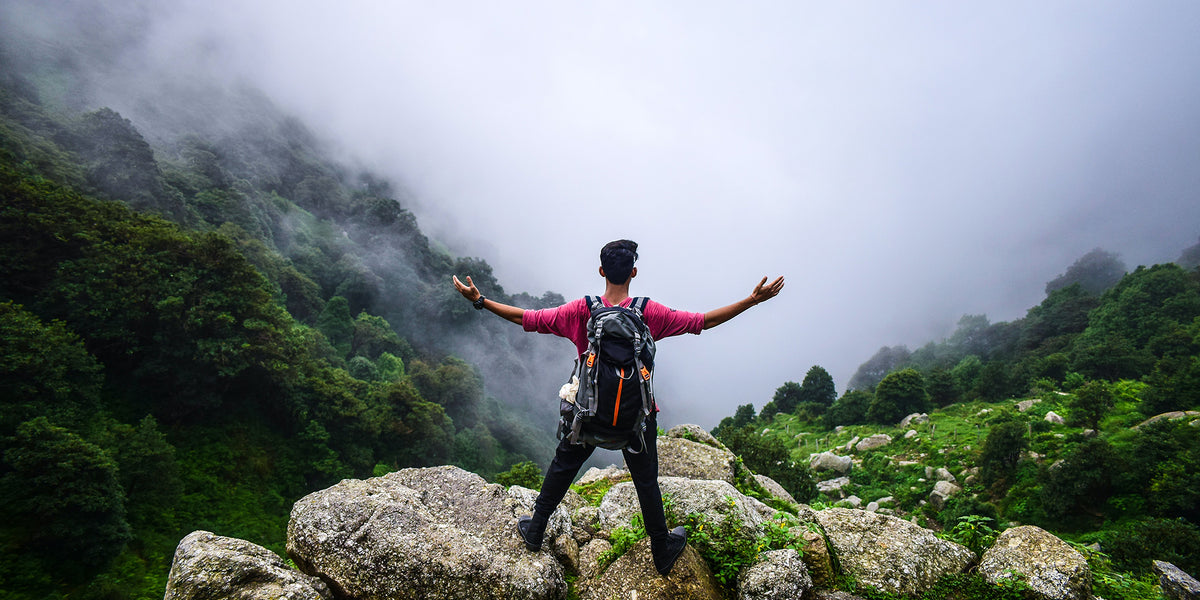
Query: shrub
(1134, 544)
(972, 531)
(525, 474)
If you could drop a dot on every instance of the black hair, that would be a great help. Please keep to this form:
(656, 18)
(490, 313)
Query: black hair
(617, 258)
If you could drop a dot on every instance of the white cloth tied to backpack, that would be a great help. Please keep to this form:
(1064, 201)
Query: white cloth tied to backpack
(569, 390)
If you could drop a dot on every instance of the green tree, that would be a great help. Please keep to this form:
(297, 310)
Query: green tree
(44, 370)
(1001, 452)
(966, 375)
(886, 360)
(769, 410)
(850, 409)
(454, 384)
(148, 472)
(1148, 303)
(390, 367)
(818, 387)
(786, 397)
(1094, 273)
(1090, 403)
(337, 325)
(899, 394)
(64, 499)
(374, 335)
(361, 367)
(940, 384)
(993, 384)
(1080, 484)
(771, 456)
(1064, 312)
(744, 415)
(525, 474)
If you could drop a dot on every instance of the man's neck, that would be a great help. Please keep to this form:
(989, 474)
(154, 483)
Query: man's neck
(614, 293)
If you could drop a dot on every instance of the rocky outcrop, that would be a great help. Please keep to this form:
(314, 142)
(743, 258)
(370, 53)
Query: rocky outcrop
(778, 575)
(633, 576)
(828, 461)
(876, 441)
(422, 533)
(1169, 416)
(446, 533)
(211, 566)
(1176, 584)
(942, 491)
(717, 500)
(1055, 418)
(1052, 569)
(833, 485)
(913, 419)
(679, 457)
(696, 434)
(889, 553)
(774, 488)
(612, 473)
(1025, 405)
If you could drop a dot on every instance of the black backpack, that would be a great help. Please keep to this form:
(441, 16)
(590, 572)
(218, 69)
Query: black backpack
(615, 377)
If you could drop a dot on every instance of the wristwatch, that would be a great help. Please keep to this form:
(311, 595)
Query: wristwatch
(478, 304)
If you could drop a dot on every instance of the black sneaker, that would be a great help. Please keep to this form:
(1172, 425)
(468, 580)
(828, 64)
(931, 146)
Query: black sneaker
(665, 557)
(531, 533)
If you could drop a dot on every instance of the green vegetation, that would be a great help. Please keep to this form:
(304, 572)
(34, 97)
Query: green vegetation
(622, 539)
(730, 546)
(1106, 350)
(194, 334)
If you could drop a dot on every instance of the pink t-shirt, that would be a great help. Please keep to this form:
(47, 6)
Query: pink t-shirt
(570, 321)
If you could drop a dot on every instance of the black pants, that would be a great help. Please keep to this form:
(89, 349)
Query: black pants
(643, 466)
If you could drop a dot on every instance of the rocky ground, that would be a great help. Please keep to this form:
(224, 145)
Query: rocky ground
(446, 533)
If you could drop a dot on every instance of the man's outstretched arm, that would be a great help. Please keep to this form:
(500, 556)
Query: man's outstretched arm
(762, 292)
(471, 293)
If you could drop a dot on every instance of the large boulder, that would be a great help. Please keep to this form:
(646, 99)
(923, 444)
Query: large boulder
(818, 560)
(633, 576)
(913, 419)
(1176, 584)
(1052, 569)
(440, 532)
(1169, 416)
(942, 491)
(833, 485)
(828, 461)
(679, 457)
(778, 575)
(889, 553)
(610, 473)
(876, 441)
(695, 433)
(716, 500)
(210, 566)
(774, 488)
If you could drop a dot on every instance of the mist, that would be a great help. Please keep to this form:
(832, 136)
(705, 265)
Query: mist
(900, 165)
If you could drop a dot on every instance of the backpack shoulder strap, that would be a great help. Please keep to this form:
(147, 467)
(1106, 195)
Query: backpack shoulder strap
(639, 304)
(593, 302)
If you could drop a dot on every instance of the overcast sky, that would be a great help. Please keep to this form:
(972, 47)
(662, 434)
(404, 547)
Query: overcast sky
(901, 163)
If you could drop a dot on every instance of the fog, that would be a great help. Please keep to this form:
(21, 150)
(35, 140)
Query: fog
(900, 164)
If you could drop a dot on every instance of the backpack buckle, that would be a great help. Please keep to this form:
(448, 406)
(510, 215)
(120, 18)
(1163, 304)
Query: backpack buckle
(645, 374)
(591, 360)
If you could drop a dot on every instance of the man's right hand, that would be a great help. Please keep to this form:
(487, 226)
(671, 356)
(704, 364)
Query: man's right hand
(468, 290)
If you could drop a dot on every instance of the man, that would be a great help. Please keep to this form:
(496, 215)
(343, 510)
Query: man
(569, 320)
